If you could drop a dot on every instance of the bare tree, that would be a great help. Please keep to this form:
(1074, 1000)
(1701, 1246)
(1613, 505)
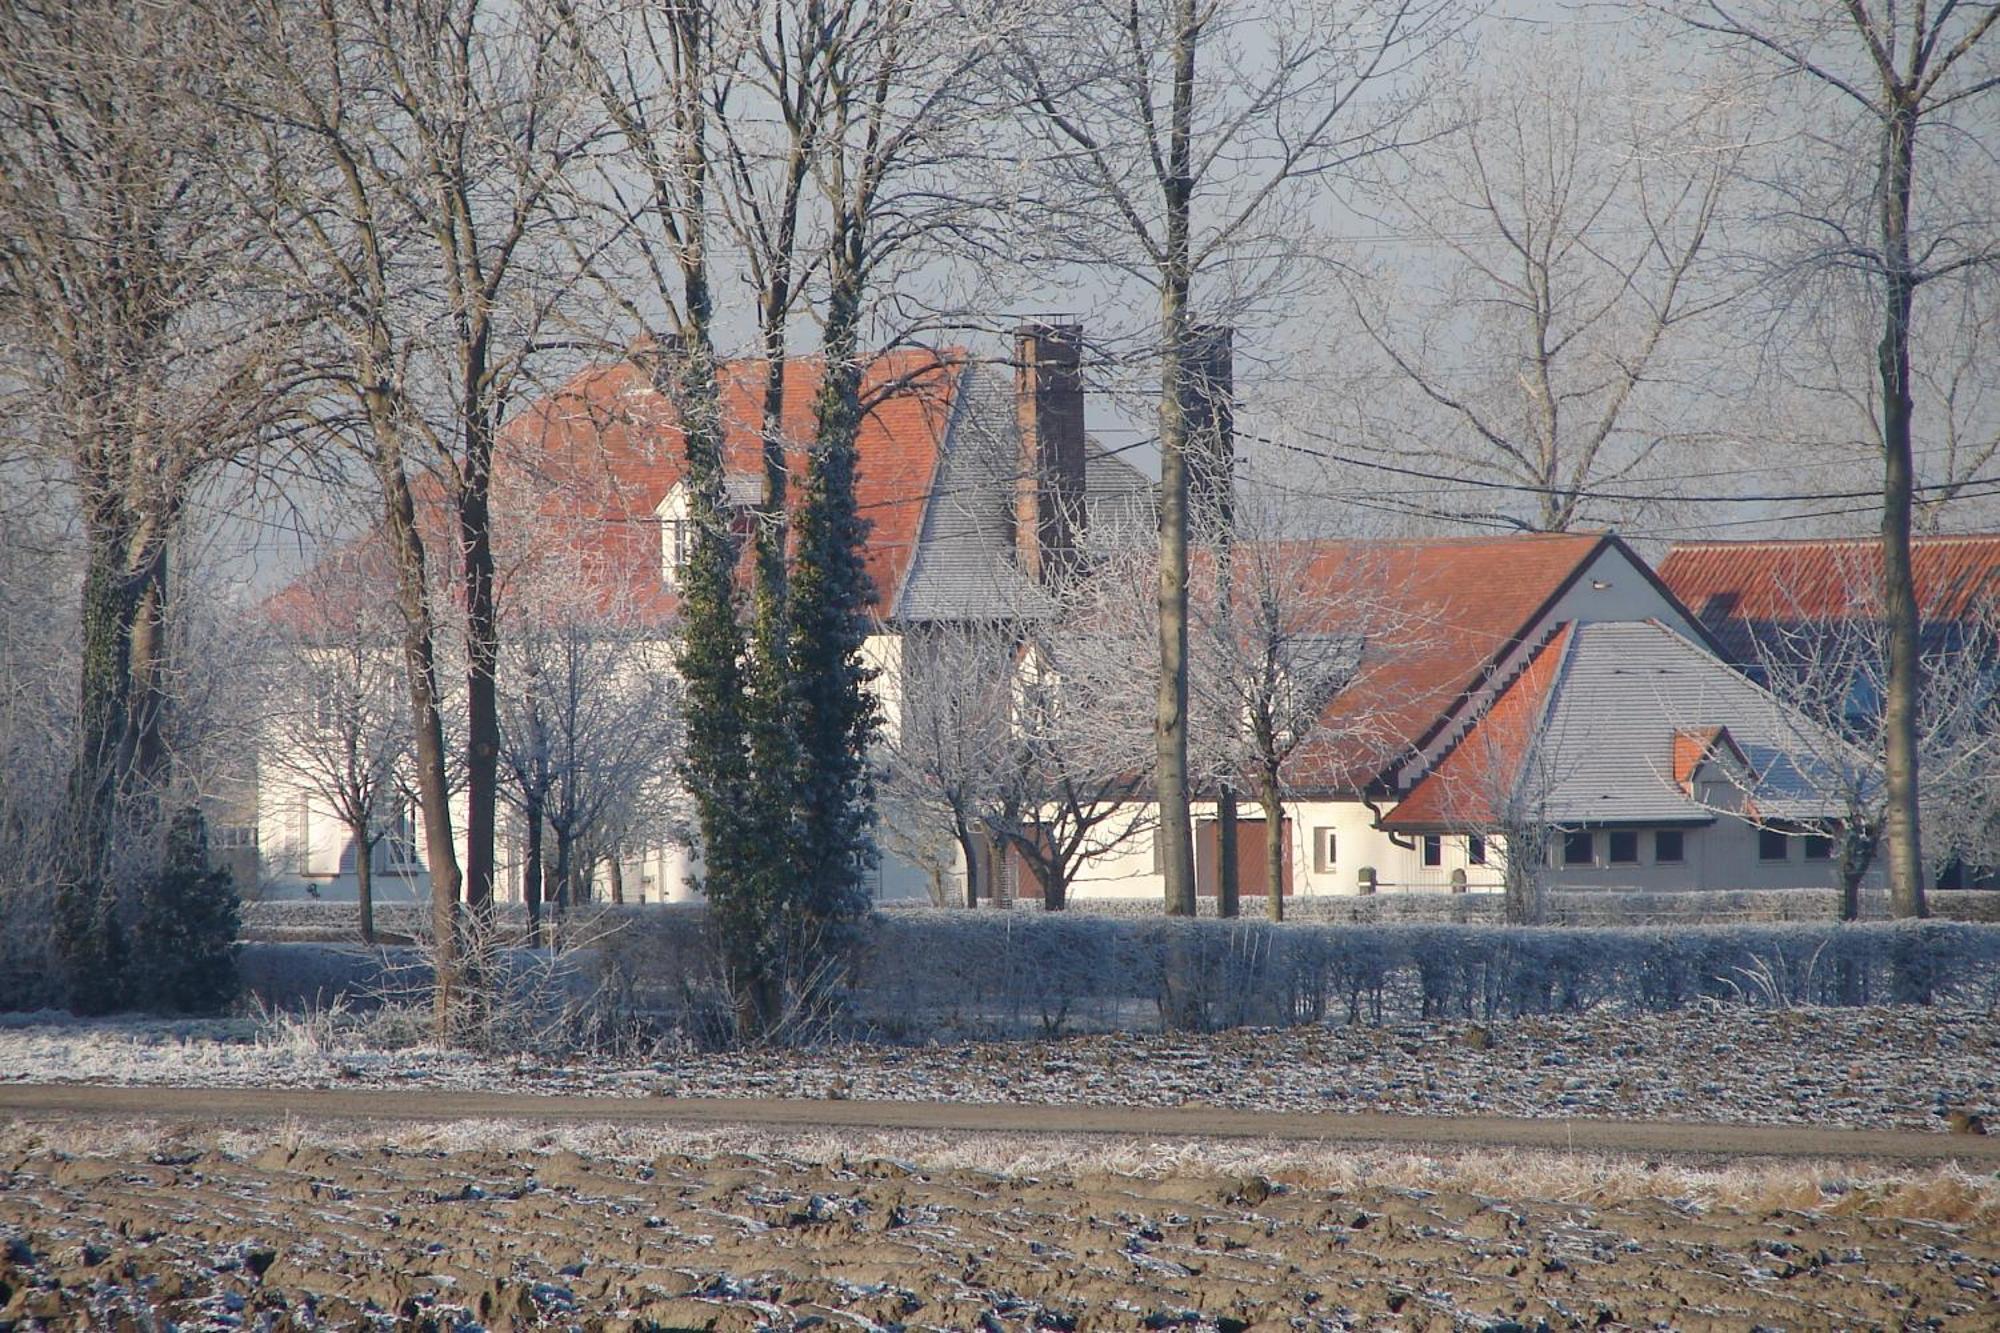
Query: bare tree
(1875, 198)
(1074, 773)
(945, 755)
(1550, 325)
(1167, 175)
(590, 734)
(134, 366)
(1828, 675)
(1304, 621)
(336, 720)
(407, 164)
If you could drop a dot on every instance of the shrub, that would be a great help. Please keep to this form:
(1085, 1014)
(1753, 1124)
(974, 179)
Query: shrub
(183, 939)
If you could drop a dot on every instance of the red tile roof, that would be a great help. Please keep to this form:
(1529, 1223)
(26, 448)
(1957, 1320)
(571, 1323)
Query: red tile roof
(591, 462)
(1470, 787)
(1737, 588)
(606, 448)
(1460, 606)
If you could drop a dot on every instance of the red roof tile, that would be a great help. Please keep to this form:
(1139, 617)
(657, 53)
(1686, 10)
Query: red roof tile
(1461, 605)
(1736, 589)
(1468, 788)
(591, 462)
(606, 449)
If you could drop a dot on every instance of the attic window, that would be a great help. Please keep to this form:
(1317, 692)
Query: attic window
(677, 545)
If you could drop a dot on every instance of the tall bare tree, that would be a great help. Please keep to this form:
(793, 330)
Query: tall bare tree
(1889, 94)
(408, 162)
(1174, 134)
(1549, 325)
(134, 367)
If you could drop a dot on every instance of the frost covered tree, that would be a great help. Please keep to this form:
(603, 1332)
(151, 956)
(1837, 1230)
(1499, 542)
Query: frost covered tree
(946, 758)
(1828, 675)
(408, 164)
(134, 368)
(590, 725)
(1879, 203)
(336, 717)
(1174, 139)
(1302, 623)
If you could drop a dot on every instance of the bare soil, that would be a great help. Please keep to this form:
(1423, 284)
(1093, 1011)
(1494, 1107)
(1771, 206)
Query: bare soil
(294, 1234)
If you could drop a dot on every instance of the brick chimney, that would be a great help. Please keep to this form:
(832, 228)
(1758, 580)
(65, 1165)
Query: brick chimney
(1208, 400)
(1048, 488)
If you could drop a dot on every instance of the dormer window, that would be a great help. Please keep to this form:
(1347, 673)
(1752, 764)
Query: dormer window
(676, 535)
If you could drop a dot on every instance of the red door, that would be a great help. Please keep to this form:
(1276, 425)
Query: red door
(1250, 881)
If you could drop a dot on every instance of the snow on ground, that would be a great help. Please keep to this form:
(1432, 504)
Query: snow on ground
(1873, 1068)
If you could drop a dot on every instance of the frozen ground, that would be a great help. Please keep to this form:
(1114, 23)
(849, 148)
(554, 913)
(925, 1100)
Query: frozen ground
(1880, 1068)
(490, 1226)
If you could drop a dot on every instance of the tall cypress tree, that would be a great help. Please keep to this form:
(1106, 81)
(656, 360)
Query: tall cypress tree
(834, 715)
(710, 660)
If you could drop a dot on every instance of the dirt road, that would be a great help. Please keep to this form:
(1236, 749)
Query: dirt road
(1663, 1139)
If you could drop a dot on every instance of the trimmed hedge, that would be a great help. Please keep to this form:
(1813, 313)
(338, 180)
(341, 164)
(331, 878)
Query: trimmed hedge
(923, 974)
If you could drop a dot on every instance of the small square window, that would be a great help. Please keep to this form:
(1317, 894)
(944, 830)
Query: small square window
(1623, 848)
(1819, 847)
(1475, 850)
(1433, 850)
(1773, 845)
(1669, 847)
(1579, 848)
(1325, 850)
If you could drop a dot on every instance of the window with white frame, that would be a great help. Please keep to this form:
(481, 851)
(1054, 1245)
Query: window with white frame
(1326, 850)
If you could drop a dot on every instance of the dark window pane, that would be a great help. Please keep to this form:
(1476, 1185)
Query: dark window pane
(1819, 847)
(1624, 848)
(1667, 846)
(1475, 850)
(1433, 850)
(1772, 845)
(1577, 850)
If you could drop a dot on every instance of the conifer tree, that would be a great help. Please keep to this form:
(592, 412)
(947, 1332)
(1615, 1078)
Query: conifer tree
(834, 714)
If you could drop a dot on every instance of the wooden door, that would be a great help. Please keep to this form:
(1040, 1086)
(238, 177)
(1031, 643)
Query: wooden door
(1250, 881)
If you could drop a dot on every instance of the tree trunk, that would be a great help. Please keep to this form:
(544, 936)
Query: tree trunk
(482, 656)
(1274, 844)
(1899, 599)
(531, 872)
(616, 866)
(1228, 886)
(364, 880)
(968, 847)
(420, 667)
(1170, 715)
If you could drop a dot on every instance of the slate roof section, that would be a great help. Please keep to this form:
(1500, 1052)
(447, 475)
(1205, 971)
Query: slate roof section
(965, 566)
(1593, 732)
(1746, 592)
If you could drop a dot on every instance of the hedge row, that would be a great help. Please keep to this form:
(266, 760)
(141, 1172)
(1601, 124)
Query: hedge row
(927, 974)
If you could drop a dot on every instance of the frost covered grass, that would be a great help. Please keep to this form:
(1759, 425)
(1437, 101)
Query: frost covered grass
(1900, 1067)
(1945, 1193)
